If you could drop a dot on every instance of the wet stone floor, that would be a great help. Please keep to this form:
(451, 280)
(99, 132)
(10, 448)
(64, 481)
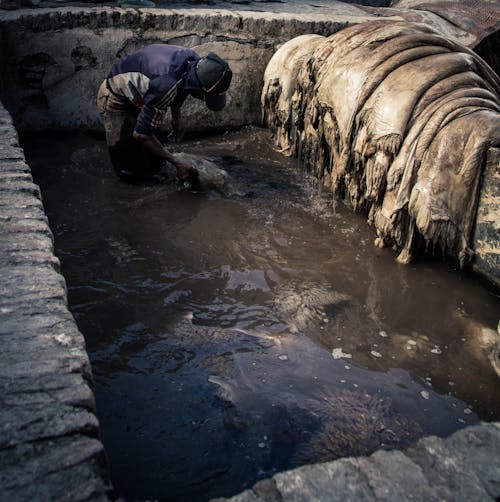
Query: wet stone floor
(235, 334)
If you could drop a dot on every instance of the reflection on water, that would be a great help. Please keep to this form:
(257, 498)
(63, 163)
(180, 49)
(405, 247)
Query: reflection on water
(232, 337)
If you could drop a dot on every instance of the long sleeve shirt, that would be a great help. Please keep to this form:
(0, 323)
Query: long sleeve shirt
(152, 79)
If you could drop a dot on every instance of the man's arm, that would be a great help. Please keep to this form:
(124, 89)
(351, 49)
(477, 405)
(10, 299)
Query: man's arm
(184, 171)
(162, 92)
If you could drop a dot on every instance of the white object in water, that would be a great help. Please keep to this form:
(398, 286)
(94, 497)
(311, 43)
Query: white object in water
(337, 353)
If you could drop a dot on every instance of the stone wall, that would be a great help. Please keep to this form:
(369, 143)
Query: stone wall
(462, 467)
(58, 58)
(55, 58)
(49, 444)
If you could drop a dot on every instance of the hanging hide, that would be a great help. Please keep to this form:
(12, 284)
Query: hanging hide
(398, 120)
(279, 84)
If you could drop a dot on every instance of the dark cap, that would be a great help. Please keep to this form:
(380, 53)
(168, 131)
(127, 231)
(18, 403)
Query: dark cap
(215, 76)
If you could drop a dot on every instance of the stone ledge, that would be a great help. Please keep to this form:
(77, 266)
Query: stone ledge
(49, 446)
(462, 467)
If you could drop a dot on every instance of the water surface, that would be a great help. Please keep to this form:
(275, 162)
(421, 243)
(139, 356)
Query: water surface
(235, 336)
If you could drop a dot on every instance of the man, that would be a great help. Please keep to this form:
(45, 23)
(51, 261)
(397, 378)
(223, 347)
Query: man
(136, 94)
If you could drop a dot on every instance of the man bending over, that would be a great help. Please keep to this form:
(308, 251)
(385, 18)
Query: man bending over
(136, 94)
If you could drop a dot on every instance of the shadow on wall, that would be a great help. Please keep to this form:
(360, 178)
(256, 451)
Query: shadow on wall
(396, 119)
(489, 50)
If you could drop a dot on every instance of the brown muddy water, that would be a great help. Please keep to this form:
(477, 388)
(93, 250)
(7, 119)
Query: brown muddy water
(235, 335)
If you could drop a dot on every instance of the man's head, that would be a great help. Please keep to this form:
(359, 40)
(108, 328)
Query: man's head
(215, 76)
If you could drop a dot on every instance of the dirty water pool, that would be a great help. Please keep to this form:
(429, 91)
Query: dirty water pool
(236, 335)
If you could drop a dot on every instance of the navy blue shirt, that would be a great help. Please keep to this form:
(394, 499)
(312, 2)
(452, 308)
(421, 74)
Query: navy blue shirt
(154, 78)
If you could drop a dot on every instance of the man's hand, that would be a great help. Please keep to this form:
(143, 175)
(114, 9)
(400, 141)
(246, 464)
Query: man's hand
(186, 172)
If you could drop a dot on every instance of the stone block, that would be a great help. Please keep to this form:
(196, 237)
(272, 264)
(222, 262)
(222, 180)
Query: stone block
(29, 242)
(21, 285)
(28, 423)
(13, 177)
(476, 448)
(24, 225)
(60, 468)
(27, 258)
(336, 481)
(17, 166)
(20, 187)
(392, 476)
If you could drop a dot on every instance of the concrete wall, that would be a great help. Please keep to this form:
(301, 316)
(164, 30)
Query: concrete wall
(57, 59)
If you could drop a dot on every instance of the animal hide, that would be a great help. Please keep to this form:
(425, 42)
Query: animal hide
(398, 120)
(279, 84)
